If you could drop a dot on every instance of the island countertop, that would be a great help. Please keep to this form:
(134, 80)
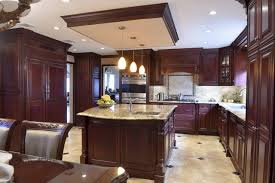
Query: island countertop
(139, 112)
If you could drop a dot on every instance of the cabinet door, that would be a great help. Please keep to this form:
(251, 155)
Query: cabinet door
(239, 148)
(105, 144)
(249, 175)
(56, 104)
(252, 24)
(266, 19)
(206, 122)
(263, 158)
(36, 90)
(232, 134)
(265, 115)
(185, 118)
(266, 90)
(139, 153)
(252, 90)
(209, 67)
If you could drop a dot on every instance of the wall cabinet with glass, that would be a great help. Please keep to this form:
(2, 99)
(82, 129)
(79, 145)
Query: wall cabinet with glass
(225, 67)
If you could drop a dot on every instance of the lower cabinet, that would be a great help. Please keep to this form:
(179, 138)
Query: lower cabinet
(196, 119)
(236, 143)
(207, 123)
(185, 118)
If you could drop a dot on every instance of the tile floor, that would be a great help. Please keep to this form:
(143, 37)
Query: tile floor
(213, 168)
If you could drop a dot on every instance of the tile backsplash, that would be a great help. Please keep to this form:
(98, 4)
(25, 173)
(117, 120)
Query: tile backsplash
(204, 93)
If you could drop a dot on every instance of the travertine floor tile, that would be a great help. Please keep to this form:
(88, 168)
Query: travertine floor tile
(212, 167)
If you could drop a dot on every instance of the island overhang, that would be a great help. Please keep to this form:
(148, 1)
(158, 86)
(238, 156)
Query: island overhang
(139, 112)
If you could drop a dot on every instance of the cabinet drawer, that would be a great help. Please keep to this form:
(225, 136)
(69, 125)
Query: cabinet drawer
(186, 109)
(204, 108)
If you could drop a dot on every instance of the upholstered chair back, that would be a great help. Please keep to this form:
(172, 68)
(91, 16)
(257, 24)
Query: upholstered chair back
(44, 139)
(7, 127)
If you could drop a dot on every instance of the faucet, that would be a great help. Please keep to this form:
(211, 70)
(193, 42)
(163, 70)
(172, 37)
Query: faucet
(131, 104)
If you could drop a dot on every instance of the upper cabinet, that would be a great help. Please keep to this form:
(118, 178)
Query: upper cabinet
(261, 20)
(209, 67)
(156, 78)
(225, 67)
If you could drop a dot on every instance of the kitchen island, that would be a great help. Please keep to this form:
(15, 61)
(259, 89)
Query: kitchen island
(140, 140)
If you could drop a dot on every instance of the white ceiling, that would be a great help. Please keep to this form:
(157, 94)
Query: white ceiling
(143, 30)
(191, 18)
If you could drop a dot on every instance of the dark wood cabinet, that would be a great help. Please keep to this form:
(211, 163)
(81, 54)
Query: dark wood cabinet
(250, 140)
(180, 60)
(32, 76)
(185, 118)
(232, 132)
(142, 147)
(209, 68)
(207, 123)
(260, 99)
(226, 66)
(156, 77)
(87, 82)
(252, 24)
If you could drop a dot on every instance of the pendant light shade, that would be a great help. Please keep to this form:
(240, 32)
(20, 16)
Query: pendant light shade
(133, 67)
(122, 63)
(142, 70)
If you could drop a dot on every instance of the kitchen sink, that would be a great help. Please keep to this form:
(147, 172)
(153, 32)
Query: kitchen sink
(146, 113)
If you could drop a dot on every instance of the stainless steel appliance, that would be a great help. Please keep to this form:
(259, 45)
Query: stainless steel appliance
(134, 88)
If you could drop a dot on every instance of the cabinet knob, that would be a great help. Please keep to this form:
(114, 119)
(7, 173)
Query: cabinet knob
(254, 128)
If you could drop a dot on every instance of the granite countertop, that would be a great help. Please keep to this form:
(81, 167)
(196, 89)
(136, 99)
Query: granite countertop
(235, 109)
(121, 112)
(181, 102)
(231, 107)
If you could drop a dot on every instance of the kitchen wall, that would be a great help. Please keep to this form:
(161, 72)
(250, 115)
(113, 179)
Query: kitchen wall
(204, 93)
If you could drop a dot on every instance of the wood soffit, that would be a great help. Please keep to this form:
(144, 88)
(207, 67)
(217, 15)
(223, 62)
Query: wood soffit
(126, 14)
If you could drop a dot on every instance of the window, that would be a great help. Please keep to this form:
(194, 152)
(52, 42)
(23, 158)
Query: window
(112, 82)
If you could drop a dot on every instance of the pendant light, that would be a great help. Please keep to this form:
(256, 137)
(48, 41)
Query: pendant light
(122, 61)
(133, 66)
(142, 68)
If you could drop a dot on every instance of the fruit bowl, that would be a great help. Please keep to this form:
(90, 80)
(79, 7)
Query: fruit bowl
(105, 105)
(105, 102)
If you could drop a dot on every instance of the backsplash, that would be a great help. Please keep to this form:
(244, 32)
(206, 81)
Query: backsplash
(204, 93)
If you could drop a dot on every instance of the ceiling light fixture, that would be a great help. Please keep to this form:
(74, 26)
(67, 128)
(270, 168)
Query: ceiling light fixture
(102, 48)
(12, 10)
(56, 28)
(122, 61)
(133, 66)
(208, 31)
(212, 12)
(66, 1)
(141, 69)
(205, 42)
(83, 40)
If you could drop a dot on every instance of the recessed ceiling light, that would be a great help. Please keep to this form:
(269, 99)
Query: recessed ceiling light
(205, 42)
(212, 12)
(102, 48)
(83, 40)
(56, 28)
(74, 49)
(208, 31)
(66, 1)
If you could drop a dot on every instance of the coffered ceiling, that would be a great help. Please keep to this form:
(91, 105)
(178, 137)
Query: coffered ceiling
(195, 26)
